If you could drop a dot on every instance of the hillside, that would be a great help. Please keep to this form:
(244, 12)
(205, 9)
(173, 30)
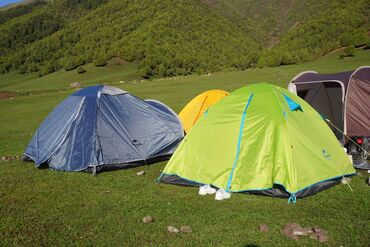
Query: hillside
(170, 37)
(293, 31)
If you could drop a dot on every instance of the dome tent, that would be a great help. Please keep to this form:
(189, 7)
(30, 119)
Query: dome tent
(103, 127)
(191, 113)
(261, 139)
(344, 98)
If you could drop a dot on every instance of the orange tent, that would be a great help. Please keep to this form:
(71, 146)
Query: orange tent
(190, 114)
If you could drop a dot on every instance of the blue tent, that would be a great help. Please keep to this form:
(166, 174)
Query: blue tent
(103, 127)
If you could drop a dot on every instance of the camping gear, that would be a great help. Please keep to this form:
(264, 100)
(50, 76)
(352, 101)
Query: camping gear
(191, 113)
(261, 139)
(344, 99)
(101, 128)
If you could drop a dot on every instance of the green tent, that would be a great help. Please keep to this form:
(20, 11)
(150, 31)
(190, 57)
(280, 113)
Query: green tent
(261, 139)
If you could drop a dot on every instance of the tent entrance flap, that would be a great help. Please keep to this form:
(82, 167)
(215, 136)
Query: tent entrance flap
(326, 98)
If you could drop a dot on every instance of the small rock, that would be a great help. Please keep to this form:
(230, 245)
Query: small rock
(302, 231)
(172, 229)
(186, 229)
(288, 230)
(140, 173)
(314, 236)
(323, 238)
(319, 234)
(264, 228)
(4, 158)
(318, 230)
(75, 85)
(307, 230)
(345, 180)
(148, 219)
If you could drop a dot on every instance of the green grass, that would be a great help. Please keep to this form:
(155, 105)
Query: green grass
(44, 207)
(62, 79)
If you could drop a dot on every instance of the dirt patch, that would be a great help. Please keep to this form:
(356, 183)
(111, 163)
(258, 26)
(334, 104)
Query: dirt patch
(115, 61)
(7, 95)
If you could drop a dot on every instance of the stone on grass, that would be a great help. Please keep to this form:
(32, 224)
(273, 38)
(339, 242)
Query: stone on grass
(264, 228)
(172, 229)
(186, 229)
(323, 238)
(75, 85)
(148, 219)
(288, 230)
(4, 158)
(302, 231)
(294, 231)
(345, 180)
(319, 234)
(140, 173)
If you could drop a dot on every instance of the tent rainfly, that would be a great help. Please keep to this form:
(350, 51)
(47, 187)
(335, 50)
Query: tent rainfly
(343, 98)
(102, 128)
(261, 139)
(191, 113)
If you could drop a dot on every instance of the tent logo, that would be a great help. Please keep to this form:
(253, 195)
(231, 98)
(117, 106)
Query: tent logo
(326, 155)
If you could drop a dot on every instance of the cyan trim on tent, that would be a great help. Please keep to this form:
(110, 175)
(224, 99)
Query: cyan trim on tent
(239, 143)
(293, 106)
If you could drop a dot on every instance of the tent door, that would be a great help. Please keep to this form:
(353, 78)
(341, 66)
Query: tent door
(326, 98)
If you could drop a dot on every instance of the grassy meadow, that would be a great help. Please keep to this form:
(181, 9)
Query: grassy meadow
(40, 207)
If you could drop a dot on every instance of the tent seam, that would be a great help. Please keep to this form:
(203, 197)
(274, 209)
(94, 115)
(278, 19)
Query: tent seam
(239, 142)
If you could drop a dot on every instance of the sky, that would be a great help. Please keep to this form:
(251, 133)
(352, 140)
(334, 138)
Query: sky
(6, 2)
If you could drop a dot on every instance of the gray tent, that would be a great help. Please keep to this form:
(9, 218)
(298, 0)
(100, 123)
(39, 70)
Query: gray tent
(344, 98)
(103, 127)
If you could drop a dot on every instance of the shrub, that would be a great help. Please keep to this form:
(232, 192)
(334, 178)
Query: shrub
(81, 70)
(32, 68)
(287, 58)
(349, 51)
(22, 70)
(359, 39)
(99, 62)
(47, 68)
(69, 64)
(367, 46)
(346, 40)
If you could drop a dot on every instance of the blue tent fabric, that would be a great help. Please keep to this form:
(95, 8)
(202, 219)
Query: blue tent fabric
(102, 125)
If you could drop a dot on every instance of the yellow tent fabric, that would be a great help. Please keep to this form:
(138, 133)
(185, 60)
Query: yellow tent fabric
(191, 113)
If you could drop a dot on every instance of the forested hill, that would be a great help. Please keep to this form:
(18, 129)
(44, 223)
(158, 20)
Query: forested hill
(173, 37)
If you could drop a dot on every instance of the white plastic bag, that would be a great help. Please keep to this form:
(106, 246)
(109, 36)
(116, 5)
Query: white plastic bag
(206, 190)
(221, 194)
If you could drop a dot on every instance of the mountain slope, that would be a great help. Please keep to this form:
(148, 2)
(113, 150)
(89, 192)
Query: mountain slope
(166, 38)
(172, 37)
